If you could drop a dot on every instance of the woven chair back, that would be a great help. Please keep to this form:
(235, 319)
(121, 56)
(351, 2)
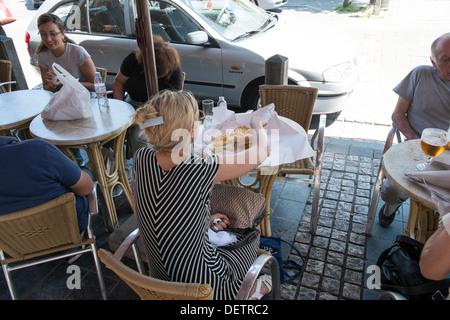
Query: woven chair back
(38, 230)
(5, 73)
(291, 101)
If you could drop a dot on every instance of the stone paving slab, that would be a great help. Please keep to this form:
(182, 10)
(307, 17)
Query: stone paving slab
(335, 255)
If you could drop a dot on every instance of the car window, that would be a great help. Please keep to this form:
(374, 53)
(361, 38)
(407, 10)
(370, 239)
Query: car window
(170, 22)
(93, 16)
(106, 16)
(231, 18)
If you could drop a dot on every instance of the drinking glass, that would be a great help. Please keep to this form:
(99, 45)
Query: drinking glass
(207, 106)
(432, 142)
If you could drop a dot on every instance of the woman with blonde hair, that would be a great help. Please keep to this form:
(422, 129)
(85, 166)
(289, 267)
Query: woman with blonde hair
(56, 47)
(171, 190)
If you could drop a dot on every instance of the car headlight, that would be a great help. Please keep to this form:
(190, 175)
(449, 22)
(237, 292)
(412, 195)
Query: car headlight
(339, 72)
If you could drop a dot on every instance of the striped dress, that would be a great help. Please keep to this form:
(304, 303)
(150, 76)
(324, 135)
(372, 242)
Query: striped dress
(172, 210)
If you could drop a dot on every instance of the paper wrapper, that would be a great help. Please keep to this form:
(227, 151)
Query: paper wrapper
(436, 178)
(287, 143)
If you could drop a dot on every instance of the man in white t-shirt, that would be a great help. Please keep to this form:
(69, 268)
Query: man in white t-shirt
(424, 101)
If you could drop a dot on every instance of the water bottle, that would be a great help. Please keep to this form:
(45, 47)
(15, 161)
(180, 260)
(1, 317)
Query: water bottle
(222, 103)
(100, 90)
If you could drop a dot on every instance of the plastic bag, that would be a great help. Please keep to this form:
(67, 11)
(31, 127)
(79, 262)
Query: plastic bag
(71, 102)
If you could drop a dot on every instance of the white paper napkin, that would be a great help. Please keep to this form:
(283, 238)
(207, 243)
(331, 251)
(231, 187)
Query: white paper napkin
(436, 178)
(287, 144)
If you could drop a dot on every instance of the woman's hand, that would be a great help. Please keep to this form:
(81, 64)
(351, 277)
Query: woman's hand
(218, 222)
(258, 122)
(52, 79)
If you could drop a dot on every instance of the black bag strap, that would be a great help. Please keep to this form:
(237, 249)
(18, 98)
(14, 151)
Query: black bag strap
(409, 241)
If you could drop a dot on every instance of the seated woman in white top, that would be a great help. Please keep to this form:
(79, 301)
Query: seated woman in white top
(56, 47)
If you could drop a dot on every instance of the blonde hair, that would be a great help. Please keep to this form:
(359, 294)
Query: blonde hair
(179, 110)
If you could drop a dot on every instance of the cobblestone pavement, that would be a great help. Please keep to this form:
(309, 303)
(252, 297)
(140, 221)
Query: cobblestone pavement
(336, 255)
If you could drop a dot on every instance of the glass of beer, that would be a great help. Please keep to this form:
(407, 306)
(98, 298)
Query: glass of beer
(432, 142)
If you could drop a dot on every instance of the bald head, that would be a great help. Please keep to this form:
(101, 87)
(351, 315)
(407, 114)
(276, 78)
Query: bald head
(440, 56)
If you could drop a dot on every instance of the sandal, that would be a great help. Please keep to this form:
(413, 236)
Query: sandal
(267, 280)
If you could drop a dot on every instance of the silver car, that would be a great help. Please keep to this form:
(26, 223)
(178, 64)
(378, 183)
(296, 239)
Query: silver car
(223, 45)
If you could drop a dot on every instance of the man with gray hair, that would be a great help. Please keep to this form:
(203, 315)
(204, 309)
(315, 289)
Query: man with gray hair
(423, 102)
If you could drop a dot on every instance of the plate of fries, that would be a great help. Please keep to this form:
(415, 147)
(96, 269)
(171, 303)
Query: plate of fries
(236, 140)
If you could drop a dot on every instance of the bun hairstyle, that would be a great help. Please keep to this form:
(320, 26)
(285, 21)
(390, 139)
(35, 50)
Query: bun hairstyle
(179, 110)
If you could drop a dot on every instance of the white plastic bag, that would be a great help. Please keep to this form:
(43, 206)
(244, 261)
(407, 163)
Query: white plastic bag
(71, 102)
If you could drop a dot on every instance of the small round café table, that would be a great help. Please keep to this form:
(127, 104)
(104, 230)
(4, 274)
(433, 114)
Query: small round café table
(92, 134)
(18, 108)
(402, 158)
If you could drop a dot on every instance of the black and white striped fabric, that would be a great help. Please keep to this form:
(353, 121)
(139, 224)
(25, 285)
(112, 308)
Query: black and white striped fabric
(172, 209)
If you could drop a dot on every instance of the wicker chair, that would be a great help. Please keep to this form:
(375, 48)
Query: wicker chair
(149, 288)
(393, 131)
(103, 73)
(297, 103)
(46, 231)
(5, 76)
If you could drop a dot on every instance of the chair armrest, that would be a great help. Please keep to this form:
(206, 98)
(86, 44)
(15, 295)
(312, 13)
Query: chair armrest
(390, 137)
(92, 200)
(129, 241)
(4, 84)
(253, 273)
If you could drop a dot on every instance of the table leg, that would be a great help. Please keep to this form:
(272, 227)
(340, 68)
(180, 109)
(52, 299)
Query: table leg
(120, 166)
(422, 222)
(106, 180)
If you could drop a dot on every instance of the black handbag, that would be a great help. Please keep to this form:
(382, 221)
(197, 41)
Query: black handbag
(244, 208)
(400, 272)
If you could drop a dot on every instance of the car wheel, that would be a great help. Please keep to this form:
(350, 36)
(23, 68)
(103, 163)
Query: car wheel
(250, 96)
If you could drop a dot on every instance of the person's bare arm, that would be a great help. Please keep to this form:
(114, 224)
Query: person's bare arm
(401, 121)
(88, 70)
(84, 185)
(435, 258)
(119, 86)
(46, 76)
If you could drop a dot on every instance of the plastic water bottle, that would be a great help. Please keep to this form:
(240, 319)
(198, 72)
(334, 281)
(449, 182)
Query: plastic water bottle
(100, 90)
(222, 103)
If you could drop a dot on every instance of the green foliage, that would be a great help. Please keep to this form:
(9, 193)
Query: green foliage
(350, 8)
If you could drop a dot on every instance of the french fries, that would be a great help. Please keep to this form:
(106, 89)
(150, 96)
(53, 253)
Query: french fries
(239, 138)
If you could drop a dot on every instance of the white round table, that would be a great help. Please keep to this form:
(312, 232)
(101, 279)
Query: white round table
(18, 108)
(91, 134)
